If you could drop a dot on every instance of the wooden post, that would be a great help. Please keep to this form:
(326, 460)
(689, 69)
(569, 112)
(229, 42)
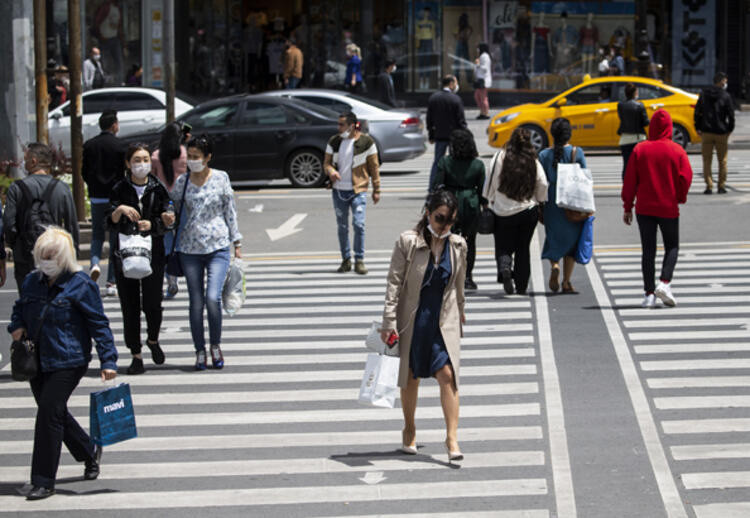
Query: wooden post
(76, 107)
(40, 69)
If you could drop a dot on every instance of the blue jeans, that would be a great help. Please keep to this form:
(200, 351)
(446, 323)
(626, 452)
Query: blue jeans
(194, 265)
(441, 146)
(293, 83)
(343, 201)
(98, 226)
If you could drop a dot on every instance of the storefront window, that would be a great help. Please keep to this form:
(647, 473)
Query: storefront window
(462, 27)
(115, 27)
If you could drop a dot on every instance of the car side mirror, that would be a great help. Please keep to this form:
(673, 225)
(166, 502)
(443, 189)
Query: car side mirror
(561, 102)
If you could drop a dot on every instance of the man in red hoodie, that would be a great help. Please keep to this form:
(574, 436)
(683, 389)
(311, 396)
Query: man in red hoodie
(658, 178)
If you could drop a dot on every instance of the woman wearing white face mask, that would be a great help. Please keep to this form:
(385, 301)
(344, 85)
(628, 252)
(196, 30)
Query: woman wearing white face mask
(138, 205)
(424, 308)
(203, 242)
(61, 310)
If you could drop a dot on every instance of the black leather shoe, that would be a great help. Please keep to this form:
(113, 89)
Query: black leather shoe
(721, 190)
(91, 472)
(136, 366)
(40, 493)
(157, 355)
(469, 284)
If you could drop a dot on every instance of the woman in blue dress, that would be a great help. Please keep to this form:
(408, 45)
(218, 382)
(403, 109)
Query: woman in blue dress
(353, 78)
(424, 306)
(561, 235)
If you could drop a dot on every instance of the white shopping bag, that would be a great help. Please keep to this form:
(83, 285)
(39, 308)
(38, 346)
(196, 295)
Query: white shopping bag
(575, 188)
(135, 254)
(233, 293)
(380, 382)
(375, 343)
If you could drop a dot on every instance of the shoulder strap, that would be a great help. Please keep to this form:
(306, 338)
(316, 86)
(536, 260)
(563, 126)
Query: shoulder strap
(493, 164)
(179, 212)
(25, 192)
(573, 155)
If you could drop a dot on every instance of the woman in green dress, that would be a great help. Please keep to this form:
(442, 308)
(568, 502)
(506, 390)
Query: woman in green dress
(462, 173)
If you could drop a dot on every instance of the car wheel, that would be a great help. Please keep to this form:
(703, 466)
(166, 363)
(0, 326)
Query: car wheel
(305, 168)
(538, 137)
(680, 136)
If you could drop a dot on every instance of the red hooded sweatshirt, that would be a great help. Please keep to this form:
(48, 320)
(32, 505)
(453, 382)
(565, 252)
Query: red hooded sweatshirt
(658, 175)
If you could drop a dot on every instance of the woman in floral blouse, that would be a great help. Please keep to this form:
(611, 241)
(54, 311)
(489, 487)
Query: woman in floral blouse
(204, 241)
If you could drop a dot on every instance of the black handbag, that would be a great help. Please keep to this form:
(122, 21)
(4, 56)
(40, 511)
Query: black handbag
(174, 267)
(486, 216)
(24, 355)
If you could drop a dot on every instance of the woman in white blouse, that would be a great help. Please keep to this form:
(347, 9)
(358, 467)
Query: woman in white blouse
(482, 80)
(514, 188)
(203, 241)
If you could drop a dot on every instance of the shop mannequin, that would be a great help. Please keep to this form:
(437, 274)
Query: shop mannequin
(423, 42)
(523, 48)
(565, 43)
(589, 43)
(541, 52)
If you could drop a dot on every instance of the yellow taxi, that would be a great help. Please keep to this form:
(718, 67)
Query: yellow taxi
(591, 108)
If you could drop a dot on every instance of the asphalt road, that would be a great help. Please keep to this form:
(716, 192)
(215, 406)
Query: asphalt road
(577, 405)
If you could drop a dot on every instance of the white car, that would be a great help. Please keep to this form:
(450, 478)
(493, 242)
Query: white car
(398, 133)
(138, 109)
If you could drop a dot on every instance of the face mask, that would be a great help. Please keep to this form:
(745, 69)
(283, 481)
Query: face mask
(50, 268)
(725, 86)
(346, 134)
(141, 170)
(455, 90)
(97, 57)
(394, 69)
(435, 234)
(195, 166)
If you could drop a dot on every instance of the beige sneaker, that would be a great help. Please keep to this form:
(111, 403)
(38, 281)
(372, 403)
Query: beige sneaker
(359, 267)
(95, 272)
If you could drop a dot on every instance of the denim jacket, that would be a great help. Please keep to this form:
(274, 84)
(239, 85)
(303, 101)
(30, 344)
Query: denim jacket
(74, 316)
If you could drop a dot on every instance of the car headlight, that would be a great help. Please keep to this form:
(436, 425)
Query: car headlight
(507, 118)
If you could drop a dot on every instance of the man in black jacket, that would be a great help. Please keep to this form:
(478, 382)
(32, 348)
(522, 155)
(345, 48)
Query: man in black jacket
(385, 84)
(38, 185)
(103, 166)
(714, 121)
(445, 112)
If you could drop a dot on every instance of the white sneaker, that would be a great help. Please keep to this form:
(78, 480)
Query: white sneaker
(664, 292)
(649, 301)
(95, 272)
(110, 291)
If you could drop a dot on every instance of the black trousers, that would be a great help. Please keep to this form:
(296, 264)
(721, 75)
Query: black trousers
(131, 303)
(20, 271)
(512, 240)
(670, 234)
(471, 253)
(626, 151)
(55, 426)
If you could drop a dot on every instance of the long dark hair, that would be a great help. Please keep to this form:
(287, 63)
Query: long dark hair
(519, 167)
(483, 48)
(561, 132)
(462, 144)
(169, 149)
(436, 199)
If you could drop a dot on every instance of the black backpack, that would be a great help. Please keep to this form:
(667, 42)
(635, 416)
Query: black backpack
(35, 217)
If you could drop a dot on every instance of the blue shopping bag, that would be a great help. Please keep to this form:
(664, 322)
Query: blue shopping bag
(585, 248)
(111, 415)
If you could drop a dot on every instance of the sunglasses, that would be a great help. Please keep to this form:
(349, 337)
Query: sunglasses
(442, 219)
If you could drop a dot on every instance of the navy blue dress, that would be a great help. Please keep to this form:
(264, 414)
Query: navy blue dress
(428, 353)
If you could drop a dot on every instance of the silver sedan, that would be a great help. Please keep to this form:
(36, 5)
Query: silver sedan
(398, 133)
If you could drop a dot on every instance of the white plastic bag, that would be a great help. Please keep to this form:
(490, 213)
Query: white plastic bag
(233, 293)
(380, 382)
(575, 188)
(375, 343)
(135, 254)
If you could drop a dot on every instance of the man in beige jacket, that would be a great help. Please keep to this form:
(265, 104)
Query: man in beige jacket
(293, 62)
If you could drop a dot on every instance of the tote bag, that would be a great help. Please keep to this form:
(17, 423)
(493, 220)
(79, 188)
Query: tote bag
(575, 187)
(111, 415)
(135, 254)
(486, 216)
(380, 381)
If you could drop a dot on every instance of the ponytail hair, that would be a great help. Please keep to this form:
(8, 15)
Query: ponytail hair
(561, 132)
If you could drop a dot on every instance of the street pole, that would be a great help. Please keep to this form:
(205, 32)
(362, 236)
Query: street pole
(169, 57)
(40, 69)
(76, 107)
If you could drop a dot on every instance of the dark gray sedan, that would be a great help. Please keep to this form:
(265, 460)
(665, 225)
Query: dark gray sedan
(260, 137)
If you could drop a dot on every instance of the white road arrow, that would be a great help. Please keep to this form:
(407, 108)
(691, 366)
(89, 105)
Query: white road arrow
(288, 228)
(373, 477)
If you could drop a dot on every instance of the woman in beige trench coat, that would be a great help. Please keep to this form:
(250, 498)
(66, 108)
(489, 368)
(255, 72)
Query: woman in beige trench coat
(424, 305)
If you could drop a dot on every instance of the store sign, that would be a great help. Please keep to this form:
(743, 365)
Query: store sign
(694, 51)
(156, 48)
(503, 14)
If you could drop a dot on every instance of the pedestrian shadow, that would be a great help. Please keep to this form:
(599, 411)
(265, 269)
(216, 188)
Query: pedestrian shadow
(362, 459)
(617, 307)
(11, 489)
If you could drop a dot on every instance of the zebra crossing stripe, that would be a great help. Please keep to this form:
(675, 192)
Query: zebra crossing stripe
(711, 451)
(692, 402)
(682, 348)
(197, 499)
(723, 510)
(699, 382)
(699, 426)
(695, 364)
(716, 480)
